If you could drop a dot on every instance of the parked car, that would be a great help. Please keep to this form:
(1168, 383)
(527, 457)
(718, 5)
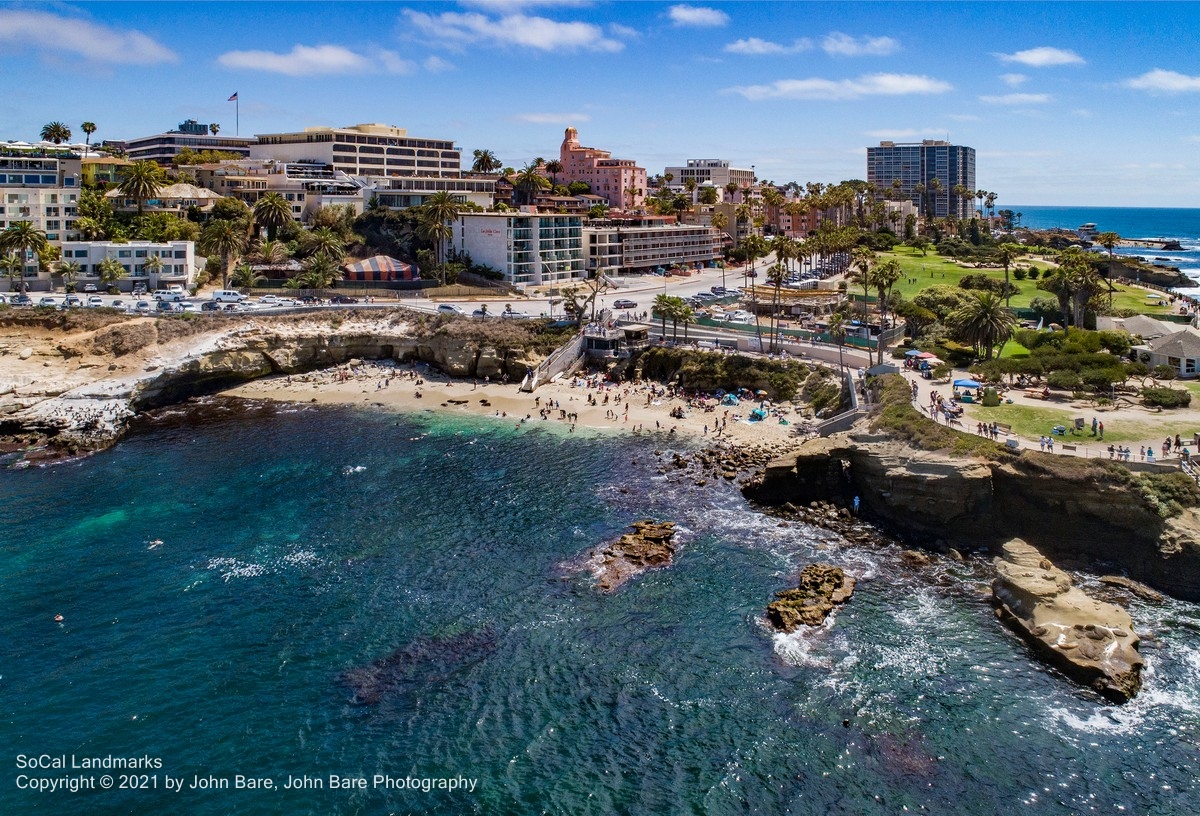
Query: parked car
(94, 301)
(71, 301)
(210, 306)
(89, 287)
(343, 299)
(21, 299)
(46, 301)
(3, 298)
(450, 308)
(269, 300)
(169, 306)
(719, 291)
(175, 287)
(708, 296)
(310, 300)
(188, 306)
(142, 306)
(167, 296)
(227, 296)
(117, 303)
(624, 304)
(138, 289)
(481, 313)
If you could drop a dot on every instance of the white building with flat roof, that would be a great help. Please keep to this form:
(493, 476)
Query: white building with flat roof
(636, 246)
(363, 150)
(530, 249)
(717, 172)
(178, 261)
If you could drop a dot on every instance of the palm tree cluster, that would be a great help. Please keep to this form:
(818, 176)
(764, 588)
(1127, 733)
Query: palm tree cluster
(19, 240)
(677, 310)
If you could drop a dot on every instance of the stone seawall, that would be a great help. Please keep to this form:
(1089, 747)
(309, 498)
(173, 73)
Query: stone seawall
(940, 501)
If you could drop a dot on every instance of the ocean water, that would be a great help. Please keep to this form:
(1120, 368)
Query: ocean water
(1179, 224)
(352, 593)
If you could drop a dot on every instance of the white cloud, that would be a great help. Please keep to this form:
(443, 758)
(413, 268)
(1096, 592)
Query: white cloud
(517, 5)
(1043, 56)
(436, 65)
(1017, 99)
(551, 118)
(75, 37)
(313, 60)
(1082, 113)
(618, 30)
(1013, 80)
(753, 46)
(963, 117)
(699, 16)
(843, 45)
(866, 85)
(1160, 81)
(458, 30)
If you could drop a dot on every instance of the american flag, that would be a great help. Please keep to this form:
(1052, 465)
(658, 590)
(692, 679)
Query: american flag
(232, 98)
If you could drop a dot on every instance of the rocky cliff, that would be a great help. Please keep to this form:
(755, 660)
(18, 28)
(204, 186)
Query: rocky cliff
(969, 503)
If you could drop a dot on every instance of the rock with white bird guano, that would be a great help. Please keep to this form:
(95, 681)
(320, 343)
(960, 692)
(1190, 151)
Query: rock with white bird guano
(1091, 641)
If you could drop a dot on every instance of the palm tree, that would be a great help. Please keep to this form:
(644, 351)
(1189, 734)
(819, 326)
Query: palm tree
(485, 162)
(554, 167)
(633, 193)
(884, 276)
(88, 129)
(663, 305)
(324, 241)
(436, 214)
(272, 211)
(56, 132)
(246, 277)
(1006, 254)
(153, 265)
(320, 272)
(529, 181)
(837, 332)
(720, 221)
(142, 181)
(23, 239)
(984, 322)
(225, 238)
(70, 272)
(13, 268)
(270, 252)
(776, 276)
(214, 128)
(1108, 240)
(685, 314)
(111, 271)
(731, 188)
(861, 259)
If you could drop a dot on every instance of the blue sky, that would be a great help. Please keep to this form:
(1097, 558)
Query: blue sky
(1067, 103)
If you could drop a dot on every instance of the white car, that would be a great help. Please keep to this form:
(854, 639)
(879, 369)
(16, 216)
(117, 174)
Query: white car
(46, 301)
(270, 300)
(450, 308)
(94, 301)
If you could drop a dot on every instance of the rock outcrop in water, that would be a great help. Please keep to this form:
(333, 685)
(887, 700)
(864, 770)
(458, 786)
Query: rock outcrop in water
(821, 588)
(424, 661)
(1089, 640)
(651, 544)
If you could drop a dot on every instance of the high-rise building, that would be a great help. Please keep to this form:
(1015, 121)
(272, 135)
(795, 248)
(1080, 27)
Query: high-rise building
(939, 167)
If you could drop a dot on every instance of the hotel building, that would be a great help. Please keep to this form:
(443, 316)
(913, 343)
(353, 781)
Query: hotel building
(529, 249)
(921, 163)
(178, 261)
(363, 150)
(608, 177)
(164, 147)
(637, 245)
(39, 184)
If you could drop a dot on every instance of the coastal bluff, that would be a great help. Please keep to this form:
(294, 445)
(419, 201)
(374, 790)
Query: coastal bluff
(1088, 640)
(969, 503)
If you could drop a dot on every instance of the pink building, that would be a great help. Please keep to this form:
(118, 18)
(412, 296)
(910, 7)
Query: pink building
(608, 177)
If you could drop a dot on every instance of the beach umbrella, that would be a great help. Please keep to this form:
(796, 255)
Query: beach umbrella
(932, 361)
(966, 384)
(760, 393)
(913, 353)
(925, 355)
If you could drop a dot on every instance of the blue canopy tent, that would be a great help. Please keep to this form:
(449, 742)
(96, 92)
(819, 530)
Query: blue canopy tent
(912, 352)
(966, 384)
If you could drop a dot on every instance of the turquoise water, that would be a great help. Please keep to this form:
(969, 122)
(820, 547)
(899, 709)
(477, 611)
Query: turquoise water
(308, 554)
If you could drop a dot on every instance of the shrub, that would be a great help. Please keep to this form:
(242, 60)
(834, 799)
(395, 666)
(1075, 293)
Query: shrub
(1019, 273)
(1164, 372)
(1069, 380)
(1033, 273)
(1166, 397)
(1168, 493)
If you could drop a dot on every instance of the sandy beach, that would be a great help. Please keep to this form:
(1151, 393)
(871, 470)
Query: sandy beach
(585, 403)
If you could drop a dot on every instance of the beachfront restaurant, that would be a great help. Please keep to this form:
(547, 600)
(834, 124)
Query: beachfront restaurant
(616, 342)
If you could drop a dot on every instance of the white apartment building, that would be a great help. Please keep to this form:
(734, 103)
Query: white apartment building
(710, 171)
(632, 247)
(530, 249)
(172, 198)
(192, 135)
(178, 261)
(40, 185)
(363, 150)
(400, 192)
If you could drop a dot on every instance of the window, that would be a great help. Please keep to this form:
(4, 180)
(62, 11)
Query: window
(139, 253)
(123, 253)
(181, 253)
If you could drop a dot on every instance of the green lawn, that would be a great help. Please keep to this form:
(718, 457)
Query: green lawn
(1031, 421)
(933, 269)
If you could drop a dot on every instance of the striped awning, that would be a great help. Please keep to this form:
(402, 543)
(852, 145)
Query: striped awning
(381, 268)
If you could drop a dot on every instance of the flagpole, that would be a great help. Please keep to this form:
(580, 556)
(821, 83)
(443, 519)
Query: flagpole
(237, 116)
